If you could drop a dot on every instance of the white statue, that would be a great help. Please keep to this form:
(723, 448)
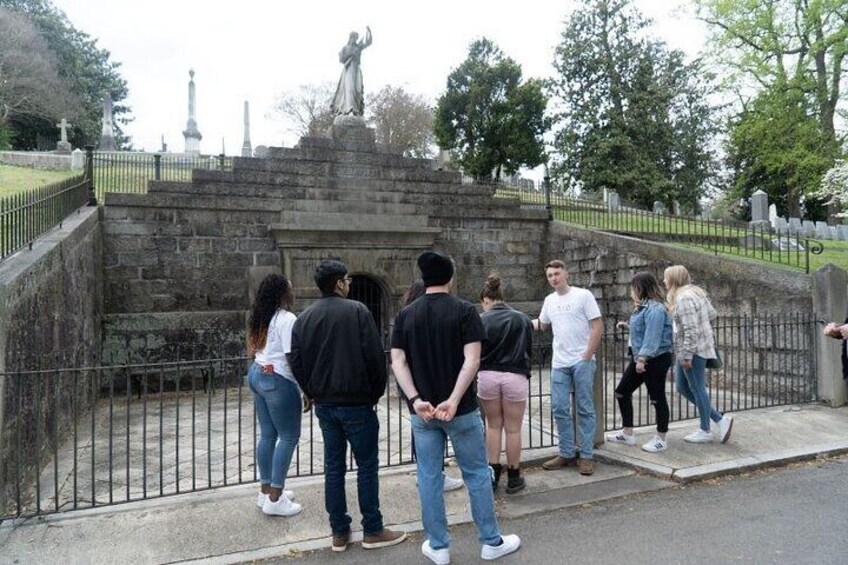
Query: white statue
(350, 94)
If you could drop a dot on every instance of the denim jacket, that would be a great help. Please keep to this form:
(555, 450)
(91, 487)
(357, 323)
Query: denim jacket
(650, 330)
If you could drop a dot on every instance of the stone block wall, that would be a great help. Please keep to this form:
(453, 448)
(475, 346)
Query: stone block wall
(50, 316)
(36, 160)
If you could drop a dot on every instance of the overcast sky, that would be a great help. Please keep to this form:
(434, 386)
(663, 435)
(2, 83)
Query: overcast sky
(255, 49)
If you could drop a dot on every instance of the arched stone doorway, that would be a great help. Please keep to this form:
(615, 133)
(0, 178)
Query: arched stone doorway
(368, 291)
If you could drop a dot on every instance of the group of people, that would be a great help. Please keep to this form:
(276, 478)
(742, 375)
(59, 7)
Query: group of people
(331, 357)
(680, 322)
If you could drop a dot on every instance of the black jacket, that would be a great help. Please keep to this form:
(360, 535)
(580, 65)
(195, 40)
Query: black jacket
(336, 354)
(509, 339)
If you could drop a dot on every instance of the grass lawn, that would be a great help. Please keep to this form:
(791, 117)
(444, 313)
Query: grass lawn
(19, 179)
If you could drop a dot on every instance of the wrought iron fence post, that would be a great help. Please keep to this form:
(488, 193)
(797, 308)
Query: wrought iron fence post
(89, 174)
(547, 182)
(157, 167)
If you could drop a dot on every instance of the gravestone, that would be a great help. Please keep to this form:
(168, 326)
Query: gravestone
(773, 217)
(676, 207)
(759, 210)
(107, 132)
(794, 226)
(613, 202)
(659, 207)
(261, 151)
(63, 146)
(808, 228)
(843, 231)
(77, 160)
(822, 230)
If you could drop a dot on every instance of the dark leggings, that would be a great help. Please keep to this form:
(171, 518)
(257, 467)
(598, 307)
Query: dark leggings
(654, 379)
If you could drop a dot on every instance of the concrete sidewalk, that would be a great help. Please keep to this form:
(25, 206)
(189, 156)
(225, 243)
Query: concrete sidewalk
(225, 526)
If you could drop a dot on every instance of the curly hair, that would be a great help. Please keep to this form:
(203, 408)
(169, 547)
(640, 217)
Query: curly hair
(274, 292)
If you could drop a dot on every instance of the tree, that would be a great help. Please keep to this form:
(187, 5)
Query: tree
(791, 50)
(632, 115)
(30, 85)
(402, 120)
(307, 109)
(490, 121)
(776, 146)
(834, 188)
(87, 72)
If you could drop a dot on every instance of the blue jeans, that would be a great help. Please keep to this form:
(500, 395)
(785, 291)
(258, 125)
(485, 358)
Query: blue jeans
(692, 385)
(276, 401)
(469, 446)
(357, 425)
(580, 379)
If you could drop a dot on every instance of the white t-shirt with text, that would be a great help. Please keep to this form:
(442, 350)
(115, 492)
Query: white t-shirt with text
(570, 316)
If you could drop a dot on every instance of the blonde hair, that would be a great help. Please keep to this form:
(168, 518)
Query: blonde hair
(677, 278)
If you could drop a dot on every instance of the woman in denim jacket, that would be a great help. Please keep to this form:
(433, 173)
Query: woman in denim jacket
(650, 360)
(694, 343)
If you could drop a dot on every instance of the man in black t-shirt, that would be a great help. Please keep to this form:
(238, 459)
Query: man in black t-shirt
(435, 355)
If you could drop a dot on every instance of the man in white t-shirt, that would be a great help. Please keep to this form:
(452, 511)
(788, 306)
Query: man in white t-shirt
(573, 314)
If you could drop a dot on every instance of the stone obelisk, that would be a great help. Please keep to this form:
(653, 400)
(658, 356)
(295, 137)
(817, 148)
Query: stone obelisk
(191, 134)
(107, 133)
(246, 149)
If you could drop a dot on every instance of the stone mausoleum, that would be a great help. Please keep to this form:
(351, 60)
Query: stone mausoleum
(181, 261)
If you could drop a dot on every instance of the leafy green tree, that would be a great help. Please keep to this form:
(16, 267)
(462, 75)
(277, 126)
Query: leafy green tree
(87, 71)
(401, 120)
(489, 120)
(776, 146)
(631, 114)
(788, 56)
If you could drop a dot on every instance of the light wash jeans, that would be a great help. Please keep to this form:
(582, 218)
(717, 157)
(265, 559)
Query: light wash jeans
(692, 385)
(580, 379)
(469, 447)
(277, 402)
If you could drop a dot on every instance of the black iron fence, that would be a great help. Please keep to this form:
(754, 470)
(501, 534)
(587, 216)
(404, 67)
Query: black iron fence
(27, 215)
(129, 172)
(78, 438)
(717, 236)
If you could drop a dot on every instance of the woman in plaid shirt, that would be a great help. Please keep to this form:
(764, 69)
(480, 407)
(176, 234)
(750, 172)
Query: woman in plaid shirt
(691, 314)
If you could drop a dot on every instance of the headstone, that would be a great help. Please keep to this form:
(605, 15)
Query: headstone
(834, 233)
(808, 228)
(773, 215)
(606, 195)
(164, 148)
(107, 132)
(246, 150)
(779, 243)
(843, 231)
(822, 230)
(676, 207)
(759, 210)
(780, 223)
(63, 146)
(613, 201)
(191, 134)
(77, 160)
(261, 152)
(659, 207)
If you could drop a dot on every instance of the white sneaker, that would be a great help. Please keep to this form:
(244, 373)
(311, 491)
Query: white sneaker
(699, 436)
(656, 445)
(621, 437)
(437, 556)
(283, 507)
(725, 425)
(452, 484)
(510, 544)
(260, 500)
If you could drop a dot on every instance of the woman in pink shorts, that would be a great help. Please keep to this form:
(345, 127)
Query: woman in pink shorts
(502, 381)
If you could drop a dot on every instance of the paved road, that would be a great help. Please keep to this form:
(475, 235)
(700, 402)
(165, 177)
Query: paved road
(796, 515)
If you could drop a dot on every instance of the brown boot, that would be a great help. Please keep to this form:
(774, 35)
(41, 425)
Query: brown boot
(559, 462)
(586, 466)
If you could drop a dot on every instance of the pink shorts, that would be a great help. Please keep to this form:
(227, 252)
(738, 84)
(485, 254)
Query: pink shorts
(492, 385)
